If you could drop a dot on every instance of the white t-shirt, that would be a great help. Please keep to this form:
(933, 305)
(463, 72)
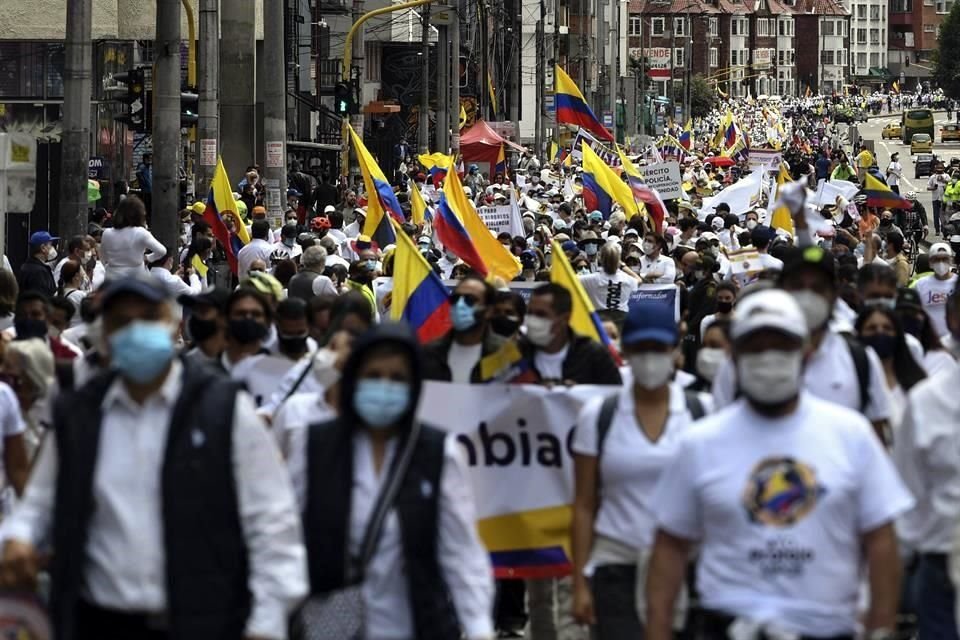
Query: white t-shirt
(258, 249)
(830, 374)
(894, 170)
(550, 365)
(664, 267)
(290, 424)
(122, 251)
(609, 292)
(933, 296)
(462, 359)
(630, 465)
(779, 507)
(767, 261)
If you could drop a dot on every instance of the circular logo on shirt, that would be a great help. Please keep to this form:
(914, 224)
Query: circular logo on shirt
(781, 491)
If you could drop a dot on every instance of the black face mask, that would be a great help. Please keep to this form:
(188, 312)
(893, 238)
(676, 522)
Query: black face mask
(293, 344)
(201, 330)
(724, 307)
(505, 326)
(29, 328)
(246, 330)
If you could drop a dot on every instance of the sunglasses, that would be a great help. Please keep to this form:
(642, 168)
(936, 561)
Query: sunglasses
(469, 298)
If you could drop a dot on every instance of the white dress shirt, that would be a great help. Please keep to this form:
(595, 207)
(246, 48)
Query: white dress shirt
(290, 424)
(257, 249)
(125, 554)
(663, 267)
(175, 284)
(463, 560)
(122, 251)
(925, 453)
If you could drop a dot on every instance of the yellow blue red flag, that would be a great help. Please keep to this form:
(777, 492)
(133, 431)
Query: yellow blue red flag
(572, 108)
(381, 200)
(419, 296)
(220, 205)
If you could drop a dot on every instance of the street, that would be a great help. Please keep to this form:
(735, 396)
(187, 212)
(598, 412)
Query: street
(871, 130)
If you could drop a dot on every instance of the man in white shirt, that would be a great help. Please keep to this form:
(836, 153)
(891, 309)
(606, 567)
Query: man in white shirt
(786, 495)
(760, 238)
(656, 268)
(259, 248)
(924, 452)
(894, 172)
(838, 369)
(935, 288)
(181, 522)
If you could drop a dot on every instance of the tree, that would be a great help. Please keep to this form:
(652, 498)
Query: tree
(946, 70)
(703, 96)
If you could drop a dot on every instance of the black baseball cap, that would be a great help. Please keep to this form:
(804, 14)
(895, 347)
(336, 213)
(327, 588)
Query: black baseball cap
(796, 259)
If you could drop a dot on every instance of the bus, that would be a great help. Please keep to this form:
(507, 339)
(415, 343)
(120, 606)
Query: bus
(916, 121)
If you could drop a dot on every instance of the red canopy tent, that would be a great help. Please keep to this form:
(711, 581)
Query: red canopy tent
(480, 144)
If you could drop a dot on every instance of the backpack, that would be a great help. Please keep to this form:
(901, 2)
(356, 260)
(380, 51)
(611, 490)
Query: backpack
(861, 363)
(609, 407)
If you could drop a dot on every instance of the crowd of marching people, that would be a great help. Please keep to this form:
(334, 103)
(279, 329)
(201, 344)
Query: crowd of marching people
(194, 452)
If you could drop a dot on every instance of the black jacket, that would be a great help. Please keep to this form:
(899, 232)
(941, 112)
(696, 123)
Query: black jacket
(435, 354)
(587, 361)
(36, 275)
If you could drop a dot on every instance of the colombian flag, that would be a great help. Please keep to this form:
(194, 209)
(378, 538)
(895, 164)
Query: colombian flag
(781, 218)
(686, 137)
(572, 108)
(501, 167)
(381, 200)
(437, 165)
(419, 296)
(880, 195)
(453, 235)
(418, 208)
(602, 187)
(583, 318)
(220, 203)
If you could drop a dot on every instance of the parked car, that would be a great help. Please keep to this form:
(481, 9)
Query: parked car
(923, 165)
(891, 131)
(921, 142)
(950, 133)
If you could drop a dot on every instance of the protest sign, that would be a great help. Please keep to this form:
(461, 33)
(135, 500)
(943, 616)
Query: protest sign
(516, 441)
(665, 178)
(765, 159)
(650, 294)
(745, 266)
(497, 219)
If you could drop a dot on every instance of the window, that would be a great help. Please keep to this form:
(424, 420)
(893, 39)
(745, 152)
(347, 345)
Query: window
(861, 12)
(944, 6)
(678, 58)
(658, 26)
(734, 27)
(763, 27)
(636, 26)
(928, 28)
(901, 6)
(780, 58)
(714, 57)
(861, 60)
(874, 59)
(828, 27)
(842, 27)
(874, 36)
(861, 36)
(841, 57)
(826, 57)
(679, 27)
(733, 57)
(714, 27)
(874, 12)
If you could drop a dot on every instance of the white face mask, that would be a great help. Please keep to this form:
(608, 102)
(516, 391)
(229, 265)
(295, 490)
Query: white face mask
(941, 268)
(709, 361)
(815, 308)
(539, 330)
(770, 377)
(648, 247)
(751, 224)
(324, 367)
(651, 370)
(51, 254)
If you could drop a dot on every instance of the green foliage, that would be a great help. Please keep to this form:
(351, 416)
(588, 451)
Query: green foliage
(946, 71)
(703, 96)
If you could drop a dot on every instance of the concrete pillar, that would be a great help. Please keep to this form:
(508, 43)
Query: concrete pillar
(77, 83)
(164, 219)
(238, 84)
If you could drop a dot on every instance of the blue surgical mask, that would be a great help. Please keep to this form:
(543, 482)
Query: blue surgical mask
(463, 315)
(371, 265)
(591, 249)
(380, 403)
(141, 350)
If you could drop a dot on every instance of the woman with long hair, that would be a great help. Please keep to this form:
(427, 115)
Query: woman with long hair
(123, 246)
(880, 328)
(70, 288)
(200, 248)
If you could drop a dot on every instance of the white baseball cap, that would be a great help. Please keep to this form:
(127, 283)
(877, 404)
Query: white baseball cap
(329, 208)
(940, 249)
(770, 309)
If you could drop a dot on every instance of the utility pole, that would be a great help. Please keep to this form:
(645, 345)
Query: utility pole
(423, 122)
(584, 46)
(275, 108)
(455, 78)
(238, 86)
(357, 74)
(443, 87)
(614, 74)
(642, 98)
(77, 90)
(541, 80)
(208, 123)
(166, 125)
(483, 86)
(515, 90)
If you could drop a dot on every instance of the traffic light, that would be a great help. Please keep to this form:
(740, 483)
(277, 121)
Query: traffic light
(189, 107)
(137, 100)
(343, 98)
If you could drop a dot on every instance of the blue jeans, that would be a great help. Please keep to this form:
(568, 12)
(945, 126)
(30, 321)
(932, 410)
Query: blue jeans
(935, 600)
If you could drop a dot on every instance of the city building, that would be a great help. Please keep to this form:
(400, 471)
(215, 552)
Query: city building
(824, 66)
(913, 29)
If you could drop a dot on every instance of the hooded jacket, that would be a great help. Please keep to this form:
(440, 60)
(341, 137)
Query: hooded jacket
(330, 478)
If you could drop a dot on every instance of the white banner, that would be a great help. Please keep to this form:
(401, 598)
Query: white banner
(665, 178)
(516, 440)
